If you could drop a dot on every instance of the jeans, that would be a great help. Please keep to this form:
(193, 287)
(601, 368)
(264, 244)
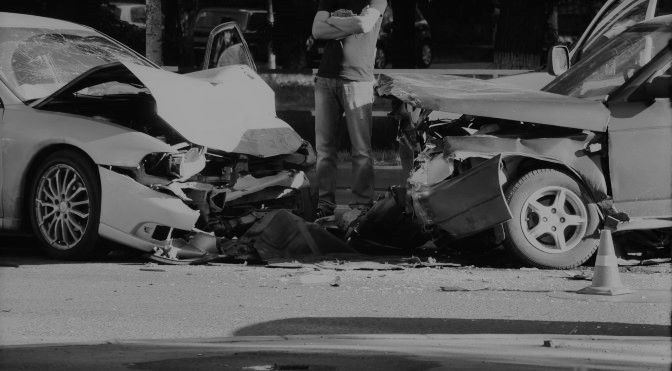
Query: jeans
(333, 97)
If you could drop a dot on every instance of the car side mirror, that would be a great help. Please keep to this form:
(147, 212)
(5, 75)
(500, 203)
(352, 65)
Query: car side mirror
(659, 87)
(558, 60)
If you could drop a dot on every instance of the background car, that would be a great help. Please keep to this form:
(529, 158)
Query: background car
(131, 13)
(423, 40)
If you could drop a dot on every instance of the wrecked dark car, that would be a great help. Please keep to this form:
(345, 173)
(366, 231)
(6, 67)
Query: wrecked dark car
(96, 141)
(544, 170)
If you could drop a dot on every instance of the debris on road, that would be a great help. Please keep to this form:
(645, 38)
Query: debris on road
(583, 276)
(336, 282)
(152, 270)
(461, 289)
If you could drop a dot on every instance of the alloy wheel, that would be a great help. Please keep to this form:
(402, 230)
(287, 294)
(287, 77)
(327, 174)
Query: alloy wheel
(554, 219)
(62, 206)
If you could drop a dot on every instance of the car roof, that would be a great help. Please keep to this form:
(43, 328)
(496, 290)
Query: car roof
(17, 20)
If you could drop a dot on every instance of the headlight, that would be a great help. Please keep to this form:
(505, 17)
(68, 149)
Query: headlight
(181, 166)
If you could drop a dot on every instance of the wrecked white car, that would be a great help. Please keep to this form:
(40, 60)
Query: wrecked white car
(545, 170)
(96, 141)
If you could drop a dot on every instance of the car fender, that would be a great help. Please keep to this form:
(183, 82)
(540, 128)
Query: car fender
(474, 200)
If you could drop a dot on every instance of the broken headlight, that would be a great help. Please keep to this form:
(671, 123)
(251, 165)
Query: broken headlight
(182, 165)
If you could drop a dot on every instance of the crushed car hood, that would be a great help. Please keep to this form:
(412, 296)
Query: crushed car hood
(489, 99)
(229, 109)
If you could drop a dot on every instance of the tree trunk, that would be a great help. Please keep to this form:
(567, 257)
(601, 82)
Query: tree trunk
(154, 32)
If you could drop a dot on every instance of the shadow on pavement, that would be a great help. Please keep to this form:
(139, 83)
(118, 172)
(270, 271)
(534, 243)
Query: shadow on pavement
(374, 325)
(18, 251)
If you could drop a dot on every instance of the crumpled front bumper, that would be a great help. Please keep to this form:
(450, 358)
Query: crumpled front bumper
(466, 204)
(133, 214)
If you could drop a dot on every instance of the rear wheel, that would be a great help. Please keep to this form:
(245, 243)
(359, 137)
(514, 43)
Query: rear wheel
(65, 206)
(554, 222)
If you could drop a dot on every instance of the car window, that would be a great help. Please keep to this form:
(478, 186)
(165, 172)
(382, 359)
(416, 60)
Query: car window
(607, 68)
(228, 49)
(617, 18)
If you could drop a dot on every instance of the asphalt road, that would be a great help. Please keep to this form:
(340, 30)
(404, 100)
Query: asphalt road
(43, 301)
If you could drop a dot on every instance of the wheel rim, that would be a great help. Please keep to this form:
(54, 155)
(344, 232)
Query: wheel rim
(62, 206)
(554, 219)
(426, 55)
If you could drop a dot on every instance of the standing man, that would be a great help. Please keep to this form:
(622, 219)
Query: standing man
(344, 84)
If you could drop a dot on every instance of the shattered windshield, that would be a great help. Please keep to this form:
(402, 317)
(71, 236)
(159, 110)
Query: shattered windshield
(35, 62)
(608, 67)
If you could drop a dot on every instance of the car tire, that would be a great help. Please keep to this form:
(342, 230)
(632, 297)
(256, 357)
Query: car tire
(425, 55)
(381, 58)
(553, 222)
(64, 206)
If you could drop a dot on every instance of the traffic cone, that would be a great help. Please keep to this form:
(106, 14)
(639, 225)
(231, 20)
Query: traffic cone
(605, 277)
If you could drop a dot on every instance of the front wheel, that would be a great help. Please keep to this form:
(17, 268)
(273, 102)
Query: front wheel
(65, 206)
(553, 223)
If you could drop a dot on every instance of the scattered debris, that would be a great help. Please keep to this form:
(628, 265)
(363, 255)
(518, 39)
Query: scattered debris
(152, 270)
(317, 279)
(358, 266)
(656, 261)
(461, 289)
(291, 265)
(336, 282)
(583, 276)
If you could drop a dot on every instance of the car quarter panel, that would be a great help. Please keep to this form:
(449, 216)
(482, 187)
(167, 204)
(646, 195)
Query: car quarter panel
(567, 151)
(640, 144)
(25, 132)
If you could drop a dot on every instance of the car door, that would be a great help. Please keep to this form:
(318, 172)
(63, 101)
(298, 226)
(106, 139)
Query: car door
(226, 46)
(640, 144)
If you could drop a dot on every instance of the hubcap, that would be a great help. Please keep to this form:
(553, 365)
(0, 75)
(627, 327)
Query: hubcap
(62, 206)
(554, 219)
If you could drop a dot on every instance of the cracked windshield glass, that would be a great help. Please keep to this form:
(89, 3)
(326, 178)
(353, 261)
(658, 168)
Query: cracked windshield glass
(35, 63)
